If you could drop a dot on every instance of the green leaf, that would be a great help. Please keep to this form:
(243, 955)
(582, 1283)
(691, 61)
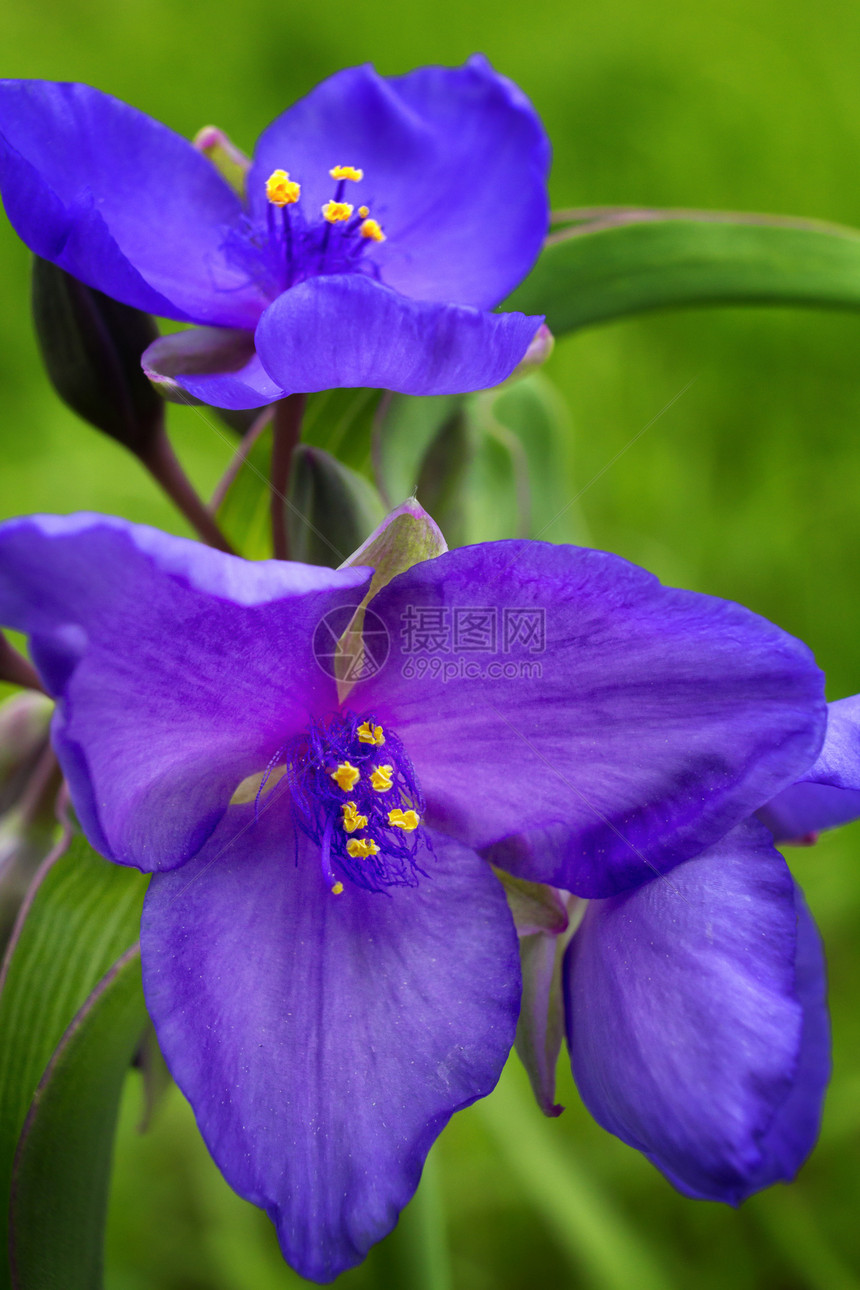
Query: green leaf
(81, 914)
(244, 515)
(637, 261)
(404, 431)
(603, 1250)
(62, 1166)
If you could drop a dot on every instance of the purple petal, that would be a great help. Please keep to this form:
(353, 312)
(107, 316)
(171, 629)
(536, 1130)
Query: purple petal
(696, 1020)
(649, 722)
(346, 330)
(324, 1041)
(829, 792)
(455, 162)
(215, 365)
(179, 670)
(121, 202)
(801, 812)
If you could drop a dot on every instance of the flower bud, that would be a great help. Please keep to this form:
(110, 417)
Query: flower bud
(91, 346)
(542, 345)
(331, 508)
(230, 162)
(24, 721)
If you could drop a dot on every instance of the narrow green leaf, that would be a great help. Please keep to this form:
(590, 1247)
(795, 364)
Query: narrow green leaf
(244, 515)
(603, 1250)
(653, 260)
(403, 433)
(62, 1166)
(81, 914)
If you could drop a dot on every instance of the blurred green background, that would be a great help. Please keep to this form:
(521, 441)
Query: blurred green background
(747, 487)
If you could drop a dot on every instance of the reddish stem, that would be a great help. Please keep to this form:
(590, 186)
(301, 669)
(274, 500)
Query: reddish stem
(15, 669)
(164, 466)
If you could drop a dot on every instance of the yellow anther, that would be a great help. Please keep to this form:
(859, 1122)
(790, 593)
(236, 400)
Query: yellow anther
(407, 820)
(281, 190)
(369, 734)
(380, 779)
(337, 212)
(362, 847)
(346, 776)
(371, 230)
(364, 211)
(337, 889)
(346, 172)
(351, 818)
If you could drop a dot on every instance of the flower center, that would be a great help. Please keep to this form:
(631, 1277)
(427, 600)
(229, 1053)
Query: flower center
(310, 246)
(355, 794)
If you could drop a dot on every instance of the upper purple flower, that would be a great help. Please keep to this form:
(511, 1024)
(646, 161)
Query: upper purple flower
(384, 219)
(334, 971)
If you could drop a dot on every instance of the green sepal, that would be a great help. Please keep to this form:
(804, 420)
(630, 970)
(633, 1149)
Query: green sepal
(545, 919)
(407, 536)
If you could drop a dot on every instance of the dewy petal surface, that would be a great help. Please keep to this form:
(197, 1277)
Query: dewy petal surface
(346, 330)
(455, 163)
(829, 793)
(323, 1040)
(661, 719)
(696, 1019)
(216, 365)
(178, 670)
(121, 202)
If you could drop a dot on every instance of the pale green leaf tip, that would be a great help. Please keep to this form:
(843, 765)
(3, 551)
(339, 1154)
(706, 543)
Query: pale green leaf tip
(405, 537)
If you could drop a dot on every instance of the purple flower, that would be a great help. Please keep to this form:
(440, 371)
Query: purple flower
(333, 971)
(829, 793)
(384, 219)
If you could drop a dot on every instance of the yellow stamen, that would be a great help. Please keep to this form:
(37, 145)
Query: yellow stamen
(346, 172)
(372, 230)
(337, 889)
(407, 820)
(362, 847)
(281, 190)
(346, 776)
(369, 734)
(351, 818)
(380, 779)
(337, 212)
(364, 211)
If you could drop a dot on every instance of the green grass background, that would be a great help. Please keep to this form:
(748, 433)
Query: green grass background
(747, 487)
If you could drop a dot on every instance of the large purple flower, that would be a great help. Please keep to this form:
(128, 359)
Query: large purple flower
(333, 970)
(384, 219)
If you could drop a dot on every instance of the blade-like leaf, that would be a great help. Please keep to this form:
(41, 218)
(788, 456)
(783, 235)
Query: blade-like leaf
(80, 916)
(652, 260)
(62, 1166)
